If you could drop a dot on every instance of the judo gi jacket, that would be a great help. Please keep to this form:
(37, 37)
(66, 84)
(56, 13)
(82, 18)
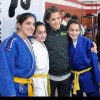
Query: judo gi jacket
(16, 60)
(82, 58)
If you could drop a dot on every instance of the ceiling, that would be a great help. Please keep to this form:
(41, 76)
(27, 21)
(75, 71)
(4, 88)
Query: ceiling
(90, 1)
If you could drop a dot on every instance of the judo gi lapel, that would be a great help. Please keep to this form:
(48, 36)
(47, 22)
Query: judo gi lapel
(29, 44)
(29, 53)
(75, 53)
(78, 51)
(23, 43)
(71, 51)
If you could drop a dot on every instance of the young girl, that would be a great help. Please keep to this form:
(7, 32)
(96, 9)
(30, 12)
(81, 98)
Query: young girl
(17, 62)
(40, 77)
(84, 63)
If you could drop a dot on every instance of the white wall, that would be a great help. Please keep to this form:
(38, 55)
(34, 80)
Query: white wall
(8, 23)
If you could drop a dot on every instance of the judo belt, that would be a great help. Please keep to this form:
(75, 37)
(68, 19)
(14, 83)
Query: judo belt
(26, 81)
(44, 76)
(76, 79)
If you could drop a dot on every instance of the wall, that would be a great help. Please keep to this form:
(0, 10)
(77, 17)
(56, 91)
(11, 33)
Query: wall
(11, 7)
(75, 7)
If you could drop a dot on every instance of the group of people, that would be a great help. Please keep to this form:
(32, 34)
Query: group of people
(67, 16)
(55, 57)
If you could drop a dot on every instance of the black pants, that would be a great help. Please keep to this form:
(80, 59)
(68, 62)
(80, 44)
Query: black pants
(63, 87)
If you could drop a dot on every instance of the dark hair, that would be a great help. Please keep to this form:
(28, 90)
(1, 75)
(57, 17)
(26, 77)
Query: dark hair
(74, 17)
(73, 21)
(38, 23)
(34, 17)
(68, 15)
(22, 17)
(48, 12)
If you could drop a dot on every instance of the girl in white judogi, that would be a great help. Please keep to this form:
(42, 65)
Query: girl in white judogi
(41, 79)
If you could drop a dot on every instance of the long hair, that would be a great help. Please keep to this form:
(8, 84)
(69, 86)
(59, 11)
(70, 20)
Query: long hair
(48, 13)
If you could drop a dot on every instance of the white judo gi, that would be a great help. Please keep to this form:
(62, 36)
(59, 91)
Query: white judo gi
(42, 68)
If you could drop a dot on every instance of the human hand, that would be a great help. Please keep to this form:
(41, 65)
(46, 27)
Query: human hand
(94, 48)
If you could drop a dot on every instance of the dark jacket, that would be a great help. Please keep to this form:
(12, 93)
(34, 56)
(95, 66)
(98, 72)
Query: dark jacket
(98, 44)
(57, 45)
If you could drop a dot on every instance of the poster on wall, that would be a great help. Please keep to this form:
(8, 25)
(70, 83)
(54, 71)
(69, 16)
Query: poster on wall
(9, 9)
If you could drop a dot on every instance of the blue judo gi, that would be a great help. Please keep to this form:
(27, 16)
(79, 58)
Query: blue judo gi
(16, 60)
(82, 58)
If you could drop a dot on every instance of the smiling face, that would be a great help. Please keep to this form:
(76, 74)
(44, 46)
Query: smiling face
(27, 27)
(54, 21)
(74, 31)
(40, 33)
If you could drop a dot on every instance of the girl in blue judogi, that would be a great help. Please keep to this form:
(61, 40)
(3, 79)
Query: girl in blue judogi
(17, 62)
(83, 62)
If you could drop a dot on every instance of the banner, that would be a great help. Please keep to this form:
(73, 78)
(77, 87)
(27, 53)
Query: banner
(9, 9)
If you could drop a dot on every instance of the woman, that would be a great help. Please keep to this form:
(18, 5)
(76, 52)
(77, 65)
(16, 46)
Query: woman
(40, 77)
(83, 62)
(17, 62)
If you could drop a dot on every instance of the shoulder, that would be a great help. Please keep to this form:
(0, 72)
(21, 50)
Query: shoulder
(87, 41)
(8, 43)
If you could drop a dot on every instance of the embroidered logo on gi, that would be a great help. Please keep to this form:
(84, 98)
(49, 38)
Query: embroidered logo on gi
(63, 33)
(9, 42)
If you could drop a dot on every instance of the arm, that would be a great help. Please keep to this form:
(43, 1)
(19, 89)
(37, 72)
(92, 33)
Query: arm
(95, 67)
(95, 72)
(6, 73)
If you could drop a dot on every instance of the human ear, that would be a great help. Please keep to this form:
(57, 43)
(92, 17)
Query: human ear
(19, 26)
(47, 21)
